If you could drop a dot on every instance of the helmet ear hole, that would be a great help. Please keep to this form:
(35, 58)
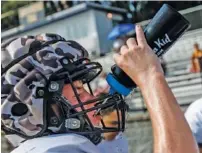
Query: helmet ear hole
(19, 109)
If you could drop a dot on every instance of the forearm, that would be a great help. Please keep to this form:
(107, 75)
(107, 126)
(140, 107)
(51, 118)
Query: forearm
(170, 129)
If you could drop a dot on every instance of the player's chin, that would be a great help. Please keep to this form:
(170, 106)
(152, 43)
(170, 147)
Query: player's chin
(110, 136)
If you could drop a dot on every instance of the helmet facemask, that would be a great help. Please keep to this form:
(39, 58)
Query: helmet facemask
(76, 118)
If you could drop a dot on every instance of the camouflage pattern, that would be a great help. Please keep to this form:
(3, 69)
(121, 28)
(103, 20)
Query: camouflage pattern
(20, 81)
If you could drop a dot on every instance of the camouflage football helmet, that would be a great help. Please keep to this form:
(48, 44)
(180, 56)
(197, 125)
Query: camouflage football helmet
(34, 71)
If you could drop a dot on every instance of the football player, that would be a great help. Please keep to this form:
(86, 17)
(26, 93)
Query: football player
(46, 108)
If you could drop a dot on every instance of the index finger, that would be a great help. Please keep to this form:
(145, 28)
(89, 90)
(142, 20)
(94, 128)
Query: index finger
(141, 40)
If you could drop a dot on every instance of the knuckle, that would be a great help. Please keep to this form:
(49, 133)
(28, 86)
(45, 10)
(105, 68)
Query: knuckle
(123, 48)
(124, 52)
(139, 47)
(130, 40)
(134, 47)
(115, 57)
(143, 47)
(120, 62)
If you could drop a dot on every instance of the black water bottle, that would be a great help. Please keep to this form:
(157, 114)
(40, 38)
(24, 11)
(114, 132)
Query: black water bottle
(161, 33)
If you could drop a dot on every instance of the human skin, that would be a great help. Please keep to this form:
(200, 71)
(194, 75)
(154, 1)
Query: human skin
(170, 129)
(84, 96)
(108, 119)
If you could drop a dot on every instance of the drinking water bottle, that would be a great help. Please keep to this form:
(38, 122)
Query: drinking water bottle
(161, 33)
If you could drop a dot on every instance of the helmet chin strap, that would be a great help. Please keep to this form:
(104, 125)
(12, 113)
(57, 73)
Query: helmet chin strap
(95, 138)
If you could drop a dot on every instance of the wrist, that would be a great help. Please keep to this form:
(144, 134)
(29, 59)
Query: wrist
(151, 79)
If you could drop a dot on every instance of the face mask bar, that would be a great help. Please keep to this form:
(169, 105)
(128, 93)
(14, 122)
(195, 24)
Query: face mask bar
(81, 68)
(113, 102)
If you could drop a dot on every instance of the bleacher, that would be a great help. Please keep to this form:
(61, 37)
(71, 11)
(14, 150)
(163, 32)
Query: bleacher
(183, 48)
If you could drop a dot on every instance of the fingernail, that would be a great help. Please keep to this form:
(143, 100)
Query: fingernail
(138, 26)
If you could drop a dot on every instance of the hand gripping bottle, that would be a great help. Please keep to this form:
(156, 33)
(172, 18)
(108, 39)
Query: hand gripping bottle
(161, 33)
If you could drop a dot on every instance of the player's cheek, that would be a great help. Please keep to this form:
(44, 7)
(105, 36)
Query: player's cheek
(111, 120)
(94, 119)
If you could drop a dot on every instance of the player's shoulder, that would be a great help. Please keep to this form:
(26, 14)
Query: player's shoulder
(193, 115)
(58, 143)
(118, 145)
(194, 108)
(194, 118)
